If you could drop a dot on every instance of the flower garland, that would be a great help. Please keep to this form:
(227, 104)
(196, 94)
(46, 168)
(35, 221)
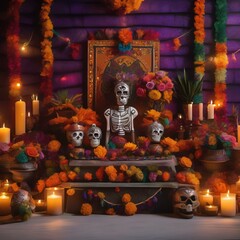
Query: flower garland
(221, 59)
(199, 36)
(13, 49)
(46, 49)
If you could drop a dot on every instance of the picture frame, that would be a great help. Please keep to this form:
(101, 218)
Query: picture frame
(105, 60)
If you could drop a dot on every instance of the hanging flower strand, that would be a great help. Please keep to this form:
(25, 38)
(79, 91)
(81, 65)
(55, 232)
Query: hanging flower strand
(13, 50)
(176, 41)
(199, 37)
(221, 59)
(46, 50)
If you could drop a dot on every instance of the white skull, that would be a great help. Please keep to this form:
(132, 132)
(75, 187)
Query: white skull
(121, 91)
(75, 134)
(94, 134)
(185, 201)
(155, 131)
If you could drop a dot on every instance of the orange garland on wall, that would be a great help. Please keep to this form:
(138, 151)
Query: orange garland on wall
(13, 51)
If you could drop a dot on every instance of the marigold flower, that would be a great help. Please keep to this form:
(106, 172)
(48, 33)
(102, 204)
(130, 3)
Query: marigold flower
(110, 211)
(153, 114)
(100, 151)
(126, 198)
(32, 151)
(88, 176)
(125, 36)
(54, 146)
(154, 95)
(129, 146)
(111, 172)
(86, 209)
(70, 192)
(185, 162)
(124, 167)
(130, 208)
(177, 43)
(40, 185)
(101, 195)
(100, 174)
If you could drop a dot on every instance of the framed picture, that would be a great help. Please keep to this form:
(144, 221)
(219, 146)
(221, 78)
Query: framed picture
(105, 62)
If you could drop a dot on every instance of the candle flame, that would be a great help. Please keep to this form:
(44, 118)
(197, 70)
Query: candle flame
(208, 192)
(3, 125)
(228, 193)
(39, 201)
(3, 194)
(29, 114)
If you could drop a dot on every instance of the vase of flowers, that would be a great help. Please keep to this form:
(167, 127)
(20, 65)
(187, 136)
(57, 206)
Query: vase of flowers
(157, 87)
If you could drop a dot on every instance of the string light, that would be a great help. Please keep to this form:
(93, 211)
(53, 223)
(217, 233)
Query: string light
(65, 39)
(25, 44)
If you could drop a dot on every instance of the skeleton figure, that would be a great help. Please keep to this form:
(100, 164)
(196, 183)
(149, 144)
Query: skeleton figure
(120, 121)
(75, 133)
(185, 201)
(94, 134)
(155, 131)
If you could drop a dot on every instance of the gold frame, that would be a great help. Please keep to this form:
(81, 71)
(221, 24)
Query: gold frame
(101, 52)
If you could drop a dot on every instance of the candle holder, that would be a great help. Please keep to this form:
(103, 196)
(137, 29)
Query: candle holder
(211, 210)
(55, 200)
(41, 205)
(205, 199)
(5, 203)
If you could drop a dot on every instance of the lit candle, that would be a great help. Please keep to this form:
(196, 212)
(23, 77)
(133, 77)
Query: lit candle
(210, 110)
(206, 199)
(200, 109)
(211, 210)
(228, 204)
(54, 204)
(5, 204)
(20, 117)
(35, 105)
(5, 134)
(190, 106)
(6, 185)
(40, 205)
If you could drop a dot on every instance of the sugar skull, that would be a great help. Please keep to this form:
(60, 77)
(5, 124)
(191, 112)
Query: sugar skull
(94, 135)
(155, 131)
(185, 202)
(122, 93)
(75, 134)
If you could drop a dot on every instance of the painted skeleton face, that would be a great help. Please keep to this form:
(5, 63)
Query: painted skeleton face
(94, 135)
(75, 134)
(156, 131)
(122, 93)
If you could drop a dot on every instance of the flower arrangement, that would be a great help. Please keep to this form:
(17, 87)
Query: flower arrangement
(157, 87)
(124, 7)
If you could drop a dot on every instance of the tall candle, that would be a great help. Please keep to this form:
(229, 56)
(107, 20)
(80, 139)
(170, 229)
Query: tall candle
(54, 204)
(5, 134)
(228, 204)
(35, 105)
(20, 117)
(206, 199)
(5, 204)
(210, 110)
(200, 109)
(190, 106)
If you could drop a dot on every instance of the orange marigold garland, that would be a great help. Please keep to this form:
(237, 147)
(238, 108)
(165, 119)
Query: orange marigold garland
(221, 59)
(46, 49)
(13, 49)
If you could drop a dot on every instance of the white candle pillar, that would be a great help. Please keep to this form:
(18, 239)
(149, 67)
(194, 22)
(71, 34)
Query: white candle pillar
(210, 110)
(5, 134)
(5, 203)
(54, 204)
(228, 204)
(190, 109)
(20, 117)
(35, 105)
(200, 109)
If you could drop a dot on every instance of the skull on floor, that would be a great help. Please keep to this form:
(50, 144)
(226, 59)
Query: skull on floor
(185, 201)
(75, 134)
(155, 131)
(94, 135)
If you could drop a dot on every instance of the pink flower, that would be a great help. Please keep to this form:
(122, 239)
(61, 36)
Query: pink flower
(141, 92)
(152, 176)
(160, 74)
(147, 78)
(229, 138)
(169, 85)
(161, 87)
(150, 85)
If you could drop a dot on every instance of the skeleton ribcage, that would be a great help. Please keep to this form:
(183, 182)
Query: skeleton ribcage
(120, 122)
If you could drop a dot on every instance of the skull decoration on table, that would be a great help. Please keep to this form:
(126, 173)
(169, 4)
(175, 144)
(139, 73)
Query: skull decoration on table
(185, 202)
(120, 120)
(155, 131)
(75, 134)
(94, 135)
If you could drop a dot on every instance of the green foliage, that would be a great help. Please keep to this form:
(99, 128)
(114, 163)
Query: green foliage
(186, 89)
(62, 97)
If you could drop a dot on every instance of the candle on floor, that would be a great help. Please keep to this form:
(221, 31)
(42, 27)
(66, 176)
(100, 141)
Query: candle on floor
(205, 198)
(5, 134)
(54, 204)
(228, 204)
(210, 110)
(211, 210)
(35, 105)
(6, 185)
(40, 205)
(20, 117)
(5, 203)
